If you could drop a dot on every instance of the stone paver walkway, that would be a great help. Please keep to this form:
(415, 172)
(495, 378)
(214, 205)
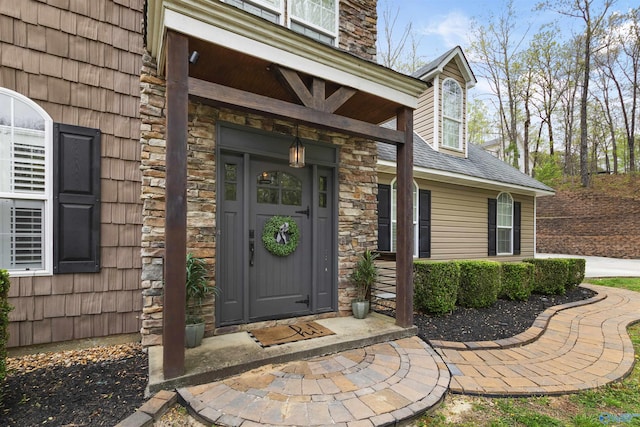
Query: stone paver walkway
(376, 385)
(569, 348)
(577, 348)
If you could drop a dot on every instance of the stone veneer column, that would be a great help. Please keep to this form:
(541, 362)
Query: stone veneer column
(358, 27)
(357, 199)
(152, 159)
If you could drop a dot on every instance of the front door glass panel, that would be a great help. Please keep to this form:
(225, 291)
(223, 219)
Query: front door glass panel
(278, 188)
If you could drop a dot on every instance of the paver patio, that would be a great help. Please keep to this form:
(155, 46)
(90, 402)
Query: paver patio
(578, 348)
(570, 348)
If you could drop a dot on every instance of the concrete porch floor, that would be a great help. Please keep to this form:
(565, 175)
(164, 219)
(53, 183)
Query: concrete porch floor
(222, 356)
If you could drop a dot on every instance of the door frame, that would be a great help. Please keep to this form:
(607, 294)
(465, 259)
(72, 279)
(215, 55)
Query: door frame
(255, 143)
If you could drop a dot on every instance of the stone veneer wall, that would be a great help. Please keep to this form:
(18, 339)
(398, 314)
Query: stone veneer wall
(358, 27)
(357, 206)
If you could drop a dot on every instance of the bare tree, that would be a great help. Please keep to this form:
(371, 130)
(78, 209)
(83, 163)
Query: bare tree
(478, 121)
(496, 49)
(392, 48)
(571, 73)
(593, 24)
(546, 57)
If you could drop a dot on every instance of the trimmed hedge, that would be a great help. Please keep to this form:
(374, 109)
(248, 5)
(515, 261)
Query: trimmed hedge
(435, 286)
(517, 281)
(576, 272)
(5, 308)
(550, 276)
(479, 283)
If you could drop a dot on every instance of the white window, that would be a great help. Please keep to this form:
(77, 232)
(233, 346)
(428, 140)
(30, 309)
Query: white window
(394, 215)
(451, 114)
(271, 10)
(505, 224)
(317, 19)
(25, 185)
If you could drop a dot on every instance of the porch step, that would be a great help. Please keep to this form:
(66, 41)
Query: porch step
(225, 355)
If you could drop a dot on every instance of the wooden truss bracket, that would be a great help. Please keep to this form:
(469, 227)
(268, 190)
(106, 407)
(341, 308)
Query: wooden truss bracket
(316, 97)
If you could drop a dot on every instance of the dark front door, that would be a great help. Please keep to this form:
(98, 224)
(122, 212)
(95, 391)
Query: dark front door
(279, 285)
(253, 187)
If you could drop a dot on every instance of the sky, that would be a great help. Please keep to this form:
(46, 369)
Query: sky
(442, 25)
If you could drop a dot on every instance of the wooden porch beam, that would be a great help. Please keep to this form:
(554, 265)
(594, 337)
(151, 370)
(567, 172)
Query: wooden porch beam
(316, 100)
(318, 87)
(404, 251)
(338, 98)
(292, 81)
(177, 72)
(235, 98)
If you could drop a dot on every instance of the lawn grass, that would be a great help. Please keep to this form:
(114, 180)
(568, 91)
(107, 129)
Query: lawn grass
(616, 404)
(631, 283)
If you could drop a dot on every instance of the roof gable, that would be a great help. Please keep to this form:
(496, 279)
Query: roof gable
(436, 66)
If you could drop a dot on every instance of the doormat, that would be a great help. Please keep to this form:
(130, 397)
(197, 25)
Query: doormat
(283, 334)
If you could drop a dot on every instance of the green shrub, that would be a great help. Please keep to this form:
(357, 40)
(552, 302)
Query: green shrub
(479, 283)
(435, 286)
(550, 275)
(576, 272)
(517, 281)
(5, 308)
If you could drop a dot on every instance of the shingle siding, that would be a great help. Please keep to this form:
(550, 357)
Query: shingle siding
(80, 61)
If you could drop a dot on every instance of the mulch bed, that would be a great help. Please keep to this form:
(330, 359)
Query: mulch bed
(99, 386)
(502, 320)
(103, 385)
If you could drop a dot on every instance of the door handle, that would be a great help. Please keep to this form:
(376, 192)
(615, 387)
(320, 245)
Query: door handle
(252, 252)
(306, 212)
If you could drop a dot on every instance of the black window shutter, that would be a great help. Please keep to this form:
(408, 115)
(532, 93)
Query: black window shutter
(76, 204)
(384, 217)
(492, 221)
(517, 209)
(424, 224)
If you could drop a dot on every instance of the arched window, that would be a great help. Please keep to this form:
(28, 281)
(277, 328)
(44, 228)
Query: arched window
(25, 184)
(451, 114)
(394, 216)
(505, 224)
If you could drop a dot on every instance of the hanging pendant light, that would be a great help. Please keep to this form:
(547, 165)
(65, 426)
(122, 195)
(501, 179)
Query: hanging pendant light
(296, 152)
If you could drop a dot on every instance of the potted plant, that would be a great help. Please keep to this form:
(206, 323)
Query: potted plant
(197, 290)
(363, 276)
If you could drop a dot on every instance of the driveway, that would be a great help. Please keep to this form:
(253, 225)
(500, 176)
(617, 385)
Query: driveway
(604, 267)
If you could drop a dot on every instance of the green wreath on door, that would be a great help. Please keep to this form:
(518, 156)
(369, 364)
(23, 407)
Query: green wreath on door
(280, 235)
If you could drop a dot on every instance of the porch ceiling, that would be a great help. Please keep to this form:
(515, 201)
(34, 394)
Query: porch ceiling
(218, 64)
(240, 50)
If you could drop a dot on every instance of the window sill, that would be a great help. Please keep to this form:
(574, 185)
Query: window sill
(29, 273)
(454, 149)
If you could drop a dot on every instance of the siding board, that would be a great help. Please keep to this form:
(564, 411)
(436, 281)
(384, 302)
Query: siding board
(459, 221)
(61, 329)
(42, 331)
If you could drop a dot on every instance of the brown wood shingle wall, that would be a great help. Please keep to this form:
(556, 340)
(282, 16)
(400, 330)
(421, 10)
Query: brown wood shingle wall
(80, 60)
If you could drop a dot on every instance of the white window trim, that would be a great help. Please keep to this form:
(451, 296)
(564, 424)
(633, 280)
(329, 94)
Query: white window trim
(498, 227)
(460, 120)
(394, 215)
(314, 27)
(47, 250)
(436, 116)
(268, 7)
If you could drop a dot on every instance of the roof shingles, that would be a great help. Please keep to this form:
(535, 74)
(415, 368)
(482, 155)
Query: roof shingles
(479, 164)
